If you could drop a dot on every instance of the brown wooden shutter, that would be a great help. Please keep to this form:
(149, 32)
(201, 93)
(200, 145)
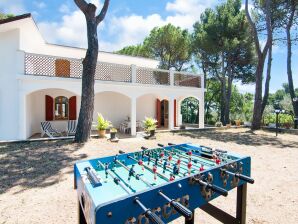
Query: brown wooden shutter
(72, 108)
(158, 112)
(175, 113)
(62, 67)
(49, 108)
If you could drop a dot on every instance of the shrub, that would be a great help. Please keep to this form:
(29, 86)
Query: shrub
(149, 124)
(218, 124)
(102, 124)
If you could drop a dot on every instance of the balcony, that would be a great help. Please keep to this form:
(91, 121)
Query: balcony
(53, 66)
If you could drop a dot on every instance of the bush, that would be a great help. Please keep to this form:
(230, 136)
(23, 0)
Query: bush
(102, 124)
(218, 124)
(285, 120)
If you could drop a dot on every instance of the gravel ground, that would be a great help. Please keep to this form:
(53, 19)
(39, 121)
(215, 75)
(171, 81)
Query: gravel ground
(36, 179)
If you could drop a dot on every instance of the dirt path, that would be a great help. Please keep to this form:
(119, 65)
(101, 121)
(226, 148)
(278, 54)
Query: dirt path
(36, 179)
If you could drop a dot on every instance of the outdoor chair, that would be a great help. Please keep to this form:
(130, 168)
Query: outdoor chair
(71, 127)
(46, 128)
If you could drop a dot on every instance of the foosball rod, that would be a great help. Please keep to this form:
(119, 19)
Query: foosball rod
(240, 176)
(185, 157)
(148, 168)
(179, 207)
(213, 187)
(148, 213)
(116, 180)
(137, 176)
(181, 151)
(161, 165)
(184, 168)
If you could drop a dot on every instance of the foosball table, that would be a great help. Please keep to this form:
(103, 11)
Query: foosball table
(159, 185)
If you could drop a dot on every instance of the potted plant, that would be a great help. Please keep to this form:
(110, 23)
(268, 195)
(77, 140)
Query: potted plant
(113, 132)
(102, 125)
(150, 125)
(238, 122)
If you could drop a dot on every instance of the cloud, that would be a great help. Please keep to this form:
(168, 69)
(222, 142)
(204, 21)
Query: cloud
(124, 30)
(39, 5)
(12, 6)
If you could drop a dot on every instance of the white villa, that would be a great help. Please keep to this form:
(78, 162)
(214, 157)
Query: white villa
(42, 82)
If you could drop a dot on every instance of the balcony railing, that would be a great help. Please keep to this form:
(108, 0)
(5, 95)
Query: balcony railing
(53, 66)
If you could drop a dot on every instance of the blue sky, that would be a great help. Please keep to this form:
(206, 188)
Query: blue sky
(128, 22)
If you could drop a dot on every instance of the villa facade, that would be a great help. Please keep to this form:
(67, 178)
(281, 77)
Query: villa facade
(42, 82)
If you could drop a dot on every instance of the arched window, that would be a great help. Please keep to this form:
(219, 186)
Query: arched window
(61, 108)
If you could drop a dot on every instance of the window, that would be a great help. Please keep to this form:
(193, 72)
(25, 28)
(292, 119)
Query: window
(61, 108)
(62, 67)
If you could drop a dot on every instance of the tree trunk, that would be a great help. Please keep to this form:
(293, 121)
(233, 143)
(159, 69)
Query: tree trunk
(257, 112)
(228, 96)
(268, 77)
(88, 79)
(223, 91)
(289, 63)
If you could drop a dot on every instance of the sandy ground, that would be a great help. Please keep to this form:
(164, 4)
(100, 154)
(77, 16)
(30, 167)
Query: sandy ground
(36, 179)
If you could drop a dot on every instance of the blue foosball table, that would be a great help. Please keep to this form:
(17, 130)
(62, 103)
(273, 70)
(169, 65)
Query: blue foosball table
(159, 185)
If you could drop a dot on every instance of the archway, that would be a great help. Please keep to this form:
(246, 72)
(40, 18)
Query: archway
(189, 110)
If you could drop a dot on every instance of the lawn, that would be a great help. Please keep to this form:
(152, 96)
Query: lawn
(36, 181)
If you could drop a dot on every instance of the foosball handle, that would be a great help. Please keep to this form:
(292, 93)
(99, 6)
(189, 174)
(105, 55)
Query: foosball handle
(171, 143)
(245, 178)
(160, 145)
(182, 209)
(153, 217)
(144, 148)
(92, 177)
(121, 152)
(218, 190)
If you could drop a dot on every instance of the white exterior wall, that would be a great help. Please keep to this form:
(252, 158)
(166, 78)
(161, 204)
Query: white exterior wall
(9, 125)
(22, 97)
(113, 106)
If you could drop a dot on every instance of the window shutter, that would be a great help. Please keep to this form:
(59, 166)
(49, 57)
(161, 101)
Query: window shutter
(175, 113)
(49, 108)
(73, 108)
(158, 112)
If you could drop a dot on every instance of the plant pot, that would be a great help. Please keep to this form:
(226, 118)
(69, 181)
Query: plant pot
(152, 133)
(238, 123)
(102, 133)
(113, 135)
(228, 125)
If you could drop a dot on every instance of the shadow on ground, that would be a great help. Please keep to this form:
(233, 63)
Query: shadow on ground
(35, 164)
(241, 138)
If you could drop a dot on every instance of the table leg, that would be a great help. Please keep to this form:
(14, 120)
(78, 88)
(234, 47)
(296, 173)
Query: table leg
(241, 203)
(192, 220)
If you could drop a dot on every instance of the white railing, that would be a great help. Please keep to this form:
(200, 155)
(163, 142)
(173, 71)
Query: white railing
(53, 66)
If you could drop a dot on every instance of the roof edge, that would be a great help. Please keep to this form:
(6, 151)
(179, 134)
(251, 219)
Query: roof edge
(15, 18)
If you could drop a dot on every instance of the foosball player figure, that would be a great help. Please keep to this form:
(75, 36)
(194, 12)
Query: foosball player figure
(189, 165)
(172, 177)
(175, 169)
(170, 157)
(131, 172)
(179, 162)
(165, 164)
(217, 159)
(149, 159)
(202, 168)
(161, 155)
(156, 161)
(189, 153)
(154, 169)
(106, 170)
(141, 163)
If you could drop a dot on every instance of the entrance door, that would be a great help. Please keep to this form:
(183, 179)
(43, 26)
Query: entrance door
(164, 111)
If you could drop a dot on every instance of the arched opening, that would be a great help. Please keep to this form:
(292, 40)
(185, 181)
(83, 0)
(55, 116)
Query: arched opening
(189, 110)
(54, 105)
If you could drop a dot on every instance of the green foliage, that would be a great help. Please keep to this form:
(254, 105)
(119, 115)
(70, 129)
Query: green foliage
(149, 124)
(138, 50)
(285, 120)
(218, 124)
(102, 124)
(113, 130)
(5, 16)
(189, 110)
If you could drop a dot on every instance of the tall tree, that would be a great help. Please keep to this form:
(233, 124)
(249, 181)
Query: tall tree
(135, 50)
(5, 16)
(89, 66)
(170, 45)
(261, 54)
(224, 48)
(290, 21)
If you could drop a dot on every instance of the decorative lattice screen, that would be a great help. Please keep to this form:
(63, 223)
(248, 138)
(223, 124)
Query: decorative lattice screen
(153, 77)
(187, 80)
(113, 72)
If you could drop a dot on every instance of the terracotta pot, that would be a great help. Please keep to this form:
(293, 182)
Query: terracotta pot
(102, 133)
(238, 123)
